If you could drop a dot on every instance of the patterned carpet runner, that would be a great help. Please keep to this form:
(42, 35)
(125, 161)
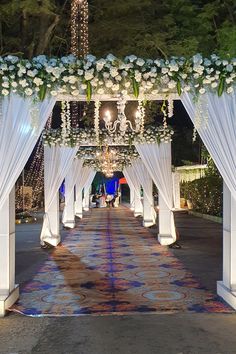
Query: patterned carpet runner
(110, 264)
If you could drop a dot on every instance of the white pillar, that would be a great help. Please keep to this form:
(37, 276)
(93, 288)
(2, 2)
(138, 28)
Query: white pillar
(176, 189)
(227, 287)
(69, 210)
(79, 203)
(131, 197)
(138, 206)
(9, 291)
(148, 210)
(86, 201)
(164, 217)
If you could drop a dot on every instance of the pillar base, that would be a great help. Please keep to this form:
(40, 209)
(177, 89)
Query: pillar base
(79, 215)
(136, 213)
(7, 300)
(227, 295)
(86, 209)
(165, 240)
(53, 240)
(148, 223)
(70, 224)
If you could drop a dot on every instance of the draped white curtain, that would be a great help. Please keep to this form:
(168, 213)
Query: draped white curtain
(57, 162)
(133, 182)
(81, 181)
(219, 132)
(21, 123)
(145, 180)
(157, 159)
(70, 181)
(89, 181)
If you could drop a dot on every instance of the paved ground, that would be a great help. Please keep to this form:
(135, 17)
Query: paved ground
(139, 334)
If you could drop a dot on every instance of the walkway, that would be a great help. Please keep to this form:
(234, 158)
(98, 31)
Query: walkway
(110, 264)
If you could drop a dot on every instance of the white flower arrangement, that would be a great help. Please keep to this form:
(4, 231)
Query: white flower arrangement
(43, 76)
(88, 137)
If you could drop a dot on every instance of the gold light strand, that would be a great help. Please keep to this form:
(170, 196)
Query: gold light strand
(75, 26)
(84, 40)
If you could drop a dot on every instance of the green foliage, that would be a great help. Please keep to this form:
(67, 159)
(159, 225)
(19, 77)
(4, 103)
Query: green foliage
(147, 28)
(206, 195)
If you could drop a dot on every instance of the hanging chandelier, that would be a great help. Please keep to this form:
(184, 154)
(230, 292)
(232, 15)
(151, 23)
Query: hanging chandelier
(122, 124)
(107, 159)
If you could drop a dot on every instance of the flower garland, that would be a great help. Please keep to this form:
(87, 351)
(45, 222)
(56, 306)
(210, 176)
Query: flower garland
(78, 136)
(43, 76)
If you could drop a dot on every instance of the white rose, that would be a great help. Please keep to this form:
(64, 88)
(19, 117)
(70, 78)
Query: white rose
(5, 84)
(214, 84)
(172, 84)
(54, 93)
(38, 81)
(80, 72)
(140, 62)
(202, 91)
(187, 88)
(28, 91)
(108, 83)
(164, 70)
(23, 83)
(14, 84)
(88, 76)
(127, 84)
(75, 92)
(72, 79)
(5, 92)
(230, 90)
(100, 91)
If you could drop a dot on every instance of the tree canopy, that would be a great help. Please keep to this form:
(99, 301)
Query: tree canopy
(147, 28)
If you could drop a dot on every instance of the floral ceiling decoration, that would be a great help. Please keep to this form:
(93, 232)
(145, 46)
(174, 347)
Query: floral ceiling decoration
(107, 159)
(88, 137)
(131, 76)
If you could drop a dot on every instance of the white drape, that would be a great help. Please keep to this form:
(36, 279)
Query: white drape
(134, 183)
(145, 180)
(219, 133)
(21, 123)
(157, 159)
(81, 181)
(70, 181)
(89, 182)
(57, 162)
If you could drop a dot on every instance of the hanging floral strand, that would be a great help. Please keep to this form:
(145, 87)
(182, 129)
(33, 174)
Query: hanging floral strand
(170, 107)
(96, 119)
(140, 117)
(164, 111)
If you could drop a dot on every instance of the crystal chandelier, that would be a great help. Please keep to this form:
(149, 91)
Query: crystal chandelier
(107, 159)
(122, 122)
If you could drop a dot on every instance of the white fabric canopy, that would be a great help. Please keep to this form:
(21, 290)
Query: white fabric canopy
(219, 132)
(157, 159)
(57, 162)
(70, 181)
(145, 180)
(21, 123)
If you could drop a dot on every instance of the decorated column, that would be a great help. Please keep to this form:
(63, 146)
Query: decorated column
(79, 201)
(227, 287)
(131, 197)
(176, 189)
(9, 291)
(69, 210)
(86, 200)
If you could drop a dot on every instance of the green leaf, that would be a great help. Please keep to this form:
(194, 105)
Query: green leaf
(42, 92)
(178, 86)
(89, 91)
(135, 88)
(221, 86)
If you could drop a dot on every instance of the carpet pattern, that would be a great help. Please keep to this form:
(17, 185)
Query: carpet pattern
(109, 264)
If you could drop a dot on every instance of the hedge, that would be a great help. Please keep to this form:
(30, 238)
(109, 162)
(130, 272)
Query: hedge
(206, 194)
